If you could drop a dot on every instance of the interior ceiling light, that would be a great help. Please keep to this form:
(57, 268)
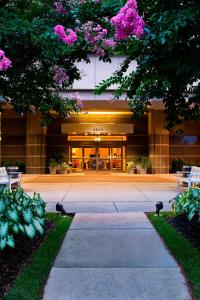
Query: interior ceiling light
(97, 139)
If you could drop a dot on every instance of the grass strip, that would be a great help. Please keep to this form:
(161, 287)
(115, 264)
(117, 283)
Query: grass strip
(30, 282)
(183, 251)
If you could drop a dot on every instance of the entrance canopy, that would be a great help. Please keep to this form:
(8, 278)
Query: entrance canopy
(97, 128)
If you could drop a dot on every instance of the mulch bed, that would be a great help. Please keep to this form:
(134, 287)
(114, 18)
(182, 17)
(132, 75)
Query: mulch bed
(190, 230)
(13, 260)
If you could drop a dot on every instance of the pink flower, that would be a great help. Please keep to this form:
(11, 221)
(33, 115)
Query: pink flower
(59, 7)
(60, 76)
(5, 62)
(76, 97)
(95, 35)
(109, 43)
(69, 38)
(128, 22)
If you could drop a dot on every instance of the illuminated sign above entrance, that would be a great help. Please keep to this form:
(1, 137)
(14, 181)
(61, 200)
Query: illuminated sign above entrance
(96, 128)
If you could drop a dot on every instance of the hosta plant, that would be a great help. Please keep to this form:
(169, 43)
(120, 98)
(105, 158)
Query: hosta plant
(188, 203)
(20, 214)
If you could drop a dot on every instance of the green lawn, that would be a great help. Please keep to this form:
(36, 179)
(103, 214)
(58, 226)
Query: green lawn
(184, 252)
(30, 283)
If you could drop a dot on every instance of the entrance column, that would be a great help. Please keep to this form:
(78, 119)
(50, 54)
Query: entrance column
(35, 145)
(158, 142)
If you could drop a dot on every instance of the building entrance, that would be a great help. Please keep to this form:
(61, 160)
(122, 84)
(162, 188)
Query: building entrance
(98, 158)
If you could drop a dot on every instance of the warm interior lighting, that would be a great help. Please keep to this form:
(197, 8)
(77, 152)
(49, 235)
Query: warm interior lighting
(97, 138)
(105, 113)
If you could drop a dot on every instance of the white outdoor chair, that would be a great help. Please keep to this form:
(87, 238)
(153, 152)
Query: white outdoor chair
(8, 180)
(189, 177)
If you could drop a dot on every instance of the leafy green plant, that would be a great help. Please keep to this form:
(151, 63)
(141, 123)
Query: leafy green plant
(177, 165)
(64, 165)
(131, 165)
(20, 214)
(188, 203)
(53, 163)
(20, 164)
(144, 162)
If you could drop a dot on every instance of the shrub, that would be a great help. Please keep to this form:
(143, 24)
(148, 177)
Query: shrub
(131, 165)
(177, 165)
(144, 162)
(20, 214)
(53, 163)
(20, 164)
(188, 203)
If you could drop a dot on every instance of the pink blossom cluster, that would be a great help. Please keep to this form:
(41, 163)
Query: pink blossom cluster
(128, 22)
(97, 37)
(76, 97)
(60, 76)
(59, 7)
(5, 62)
(85, 1)
(70, 38)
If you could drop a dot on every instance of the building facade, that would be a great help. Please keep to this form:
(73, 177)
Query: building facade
(102, 137)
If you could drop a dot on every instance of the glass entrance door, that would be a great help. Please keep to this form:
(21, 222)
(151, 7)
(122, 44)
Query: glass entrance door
(89, 158)
(103, 158)
(116, 158)
(98, 158)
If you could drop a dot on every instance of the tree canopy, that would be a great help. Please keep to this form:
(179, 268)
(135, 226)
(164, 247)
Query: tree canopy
(42, 65)
(168, 61)
(44, 40)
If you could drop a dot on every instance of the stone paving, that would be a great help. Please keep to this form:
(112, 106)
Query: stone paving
(114, 256)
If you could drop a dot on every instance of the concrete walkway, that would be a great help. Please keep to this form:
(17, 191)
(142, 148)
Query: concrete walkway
(114, 256)
(112, 193)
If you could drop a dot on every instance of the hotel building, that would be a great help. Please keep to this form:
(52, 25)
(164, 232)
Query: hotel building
(102, 137)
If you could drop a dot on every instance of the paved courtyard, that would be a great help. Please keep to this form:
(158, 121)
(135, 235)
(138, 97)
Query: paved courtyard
(111, 250)
(107, 193)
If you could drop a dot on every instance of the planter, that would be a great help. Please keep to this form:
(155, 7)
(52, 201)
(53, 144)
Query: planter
(141, 170)
(65, 171)
(59, 170)
(52, 170)
(131, 171)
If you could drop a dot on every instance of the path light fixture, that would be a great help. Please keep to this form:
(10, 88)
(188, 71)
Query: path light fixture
(159, 205)
(60, 209)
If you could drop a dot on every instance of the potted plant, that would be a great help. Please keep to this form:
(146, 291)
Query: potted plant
(143, 164)
(131, 167)
(65, 168)
(53, 165)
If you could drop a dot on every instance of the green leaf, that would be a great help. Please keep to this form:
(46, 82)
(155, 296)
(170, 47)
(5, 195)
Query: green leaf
(26, 201)
(10, 241)
(7, 200)
(15, 228)
(2, 243)
(27, 215)
(42, 221)
(21, 228)
(13, 215)
(2, 206)
(38, 226)
(19, 194)
(3, 229)
(30, 230)
(40, 211)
